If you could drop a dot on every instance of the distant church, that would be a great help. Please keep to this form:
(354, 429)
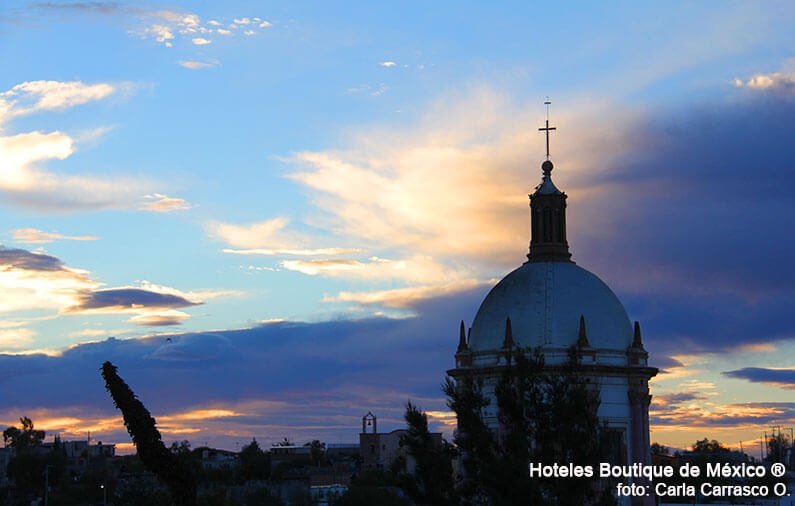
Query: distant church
(552, 303)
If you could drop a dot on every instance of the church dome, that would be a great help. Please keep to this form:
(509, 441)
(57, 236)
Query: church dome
(545, 301)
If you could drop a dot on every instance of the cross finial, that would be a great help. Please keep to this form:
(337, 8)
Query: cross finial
(547, 128)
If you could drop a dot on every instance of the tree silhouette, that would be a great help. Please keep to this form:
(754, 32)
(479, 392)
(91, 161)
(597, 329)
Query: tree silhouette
(432, 480)
(177, 476)
(545, 414)
(254, 463)
(25, 438)
(473, 438)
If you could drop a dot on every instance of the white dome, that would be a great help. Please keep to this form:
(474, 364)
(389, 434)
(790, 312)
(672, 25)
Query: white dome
(545, 301)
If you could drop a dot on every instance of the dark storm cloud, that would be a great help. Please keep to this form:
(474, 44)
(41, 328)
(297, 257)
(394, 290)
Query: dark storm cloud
(193, 347)
(784, 378)
(130, 298)
(322, 375)
(693, 226)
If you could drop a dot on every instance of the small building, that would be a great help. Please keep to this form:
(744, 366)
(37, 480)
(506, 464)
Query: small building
(213, 459)
(324, 495)
(290, 454)
(382, 450)
(338, 451)
(81, 454)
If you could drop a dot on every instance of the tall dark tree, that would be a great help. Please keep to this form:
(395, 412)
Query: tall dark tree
(473, 439)
(519, 394)
(546, 415)
(254, 463)
(177, 476)
(431, 483)
(569, 431)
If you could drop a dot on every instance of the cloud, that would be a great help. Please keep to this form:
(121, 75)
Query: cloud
(231, 385)
(161, 34)
(433, 277)
(382, 88)
(438, 188)
(670, 212)
(169, 27)
(167, 24)
(714, 417)
(27, 184)
(97, 7)
(197, 65)
(22, 177)
(16, 337)
(672, 399)
(403, 298)
(695, 199)
(416, 269)
(39, 281)
(159, 203)
(35, 236)
(18, 153)
(775, 81)
(255, 235)
(387, 64)
(200, 414)
(294, 252)
(128, 299)
(313, 267)
(269, 237)
(159, 318)
(193, 347)
(783, 378)
(454, 187)
(36, 96)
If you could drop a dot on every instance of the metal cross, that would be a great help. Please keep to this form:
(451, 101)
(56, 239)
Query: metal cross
(547, 128)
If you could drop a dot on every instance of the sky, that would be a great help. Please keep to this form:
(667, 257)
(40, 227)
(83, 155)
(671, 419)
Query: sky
(272, 217)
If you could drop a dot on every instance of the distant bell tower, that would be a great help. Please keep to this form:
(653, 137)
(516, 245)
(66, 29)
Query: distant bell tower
(369, 420)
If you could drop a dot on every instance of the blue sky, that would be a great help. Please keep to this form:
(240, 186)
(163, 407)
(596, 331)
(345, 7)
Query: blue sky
(281, 212)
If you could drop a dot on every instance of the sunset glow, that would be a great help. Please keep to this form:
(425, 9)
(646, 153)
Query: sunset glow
(273, 218)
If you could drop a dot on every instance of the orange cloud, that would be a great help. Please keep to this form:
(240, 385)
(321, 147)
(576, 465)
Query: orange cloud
(34, 236)
(159, 203)
(402, 298)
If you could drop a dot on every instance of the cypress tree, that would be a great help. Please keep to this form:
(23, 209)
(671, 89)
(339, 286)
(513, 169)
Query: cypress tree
(174, 472)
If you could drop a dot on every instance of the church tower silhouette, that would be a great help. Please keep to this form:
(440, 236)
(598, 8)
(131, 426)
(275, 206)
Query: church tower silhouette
(551, 304)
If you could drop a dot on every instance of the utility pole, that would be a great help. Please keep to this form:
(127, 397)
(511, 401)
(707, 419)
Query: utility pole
(761, 449)
(46, 484)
